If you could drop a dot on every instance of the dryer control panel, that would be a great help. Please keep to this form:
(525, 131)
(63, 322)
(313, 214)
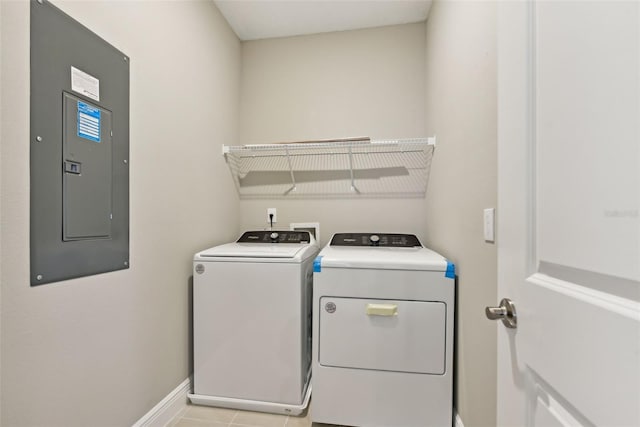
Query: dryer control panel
(266, 236)
(376, 239)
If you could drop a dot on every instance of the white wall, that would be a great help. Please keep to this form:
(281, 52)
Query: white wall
(103, 350)
(1, 137)
(353, 83)
(461, 98)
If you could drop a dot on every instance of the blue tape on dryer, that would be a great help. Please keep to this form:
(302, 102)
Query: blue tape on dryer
(451, 270)
(317, 264)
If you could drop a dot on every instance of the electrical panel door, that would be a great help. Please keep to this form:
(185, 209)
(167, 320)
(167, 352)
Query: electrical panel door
(79, 150)
(86, 187)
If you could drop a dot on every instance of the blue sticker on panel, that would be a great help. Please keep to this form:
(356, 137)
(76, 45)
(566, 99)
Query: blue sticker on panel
(88, 122)
(317, 265)
(451, 270)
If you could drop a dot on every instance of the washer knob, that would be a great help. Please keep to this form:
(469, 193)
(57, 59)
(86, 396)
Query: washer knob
(274, 236)
(374, 238)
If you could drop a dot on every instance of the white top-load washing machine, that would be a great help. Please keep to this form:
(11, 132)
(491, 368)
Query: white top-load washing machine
(383, 315)
(252, 322)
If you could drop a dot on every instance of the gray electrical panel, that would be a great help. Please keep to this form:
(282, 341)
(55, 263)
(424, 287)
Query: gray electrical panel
(79, 150)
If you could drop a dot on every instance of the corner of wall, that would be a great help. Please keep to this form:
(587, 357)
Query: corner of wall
(461, 110)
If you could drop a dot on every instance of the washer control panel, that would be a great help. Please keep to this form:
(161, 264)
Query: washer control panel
(376, 239)
(266, 236)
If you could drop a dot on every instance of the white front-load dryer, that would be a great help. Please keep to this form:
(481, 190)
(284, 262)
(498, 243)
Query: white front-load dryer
(252, 322)
(383, 315)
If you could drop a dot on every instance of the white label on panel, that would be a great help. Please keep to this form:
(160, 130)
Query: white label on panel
(85, 84)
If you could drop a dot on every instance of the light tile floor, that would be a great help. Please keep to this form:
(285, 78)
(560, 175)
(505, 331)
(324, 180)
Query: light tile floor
(205, 416)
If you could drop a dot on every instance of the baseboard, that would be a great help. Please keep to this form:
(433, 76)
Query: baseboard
(253, 405)
(458, 420)
(168, 407)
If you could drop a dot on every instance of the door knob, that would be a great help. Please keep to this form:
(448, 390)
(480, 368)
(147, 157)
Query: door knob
(505, 311)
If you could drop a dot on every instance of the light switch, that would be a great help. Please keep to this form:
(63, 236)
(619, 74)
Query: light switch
(489, 223)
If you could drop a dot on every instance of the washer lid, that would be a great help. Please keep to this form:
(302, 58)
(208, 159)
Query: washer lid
(382, 258)
(252, 250)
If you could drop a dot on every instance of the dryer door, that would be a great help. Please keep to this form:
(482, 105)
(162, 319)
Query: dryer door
(387, 335)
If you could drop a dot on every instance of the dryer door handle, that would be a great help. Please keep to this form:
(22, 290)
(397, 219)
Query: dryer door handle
(382, 309)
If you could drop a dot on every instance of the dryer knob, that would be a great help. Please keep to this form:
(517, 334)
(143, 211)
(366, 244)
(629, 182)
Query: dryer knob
(374, 238)
(274, 236)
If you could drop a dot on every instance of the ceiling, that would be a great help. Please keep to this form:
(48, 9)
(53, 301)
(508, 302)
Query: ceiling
(262, 19)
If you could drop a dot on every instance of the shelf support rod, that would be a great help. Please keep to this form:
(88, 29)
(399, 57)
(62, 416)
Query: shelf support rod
(293, 178)
(353, 184)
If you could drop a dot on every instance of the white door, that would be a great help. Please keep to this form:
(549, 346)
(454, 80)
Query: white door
(568, 221)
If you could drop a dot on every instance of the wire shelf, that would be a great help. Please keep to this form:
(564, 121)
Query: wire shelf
(339, 168)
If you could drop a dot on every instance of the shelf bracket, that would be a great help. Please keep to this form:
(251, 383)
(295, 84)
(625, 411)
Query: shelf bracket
(293, 178)
(353, 184)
